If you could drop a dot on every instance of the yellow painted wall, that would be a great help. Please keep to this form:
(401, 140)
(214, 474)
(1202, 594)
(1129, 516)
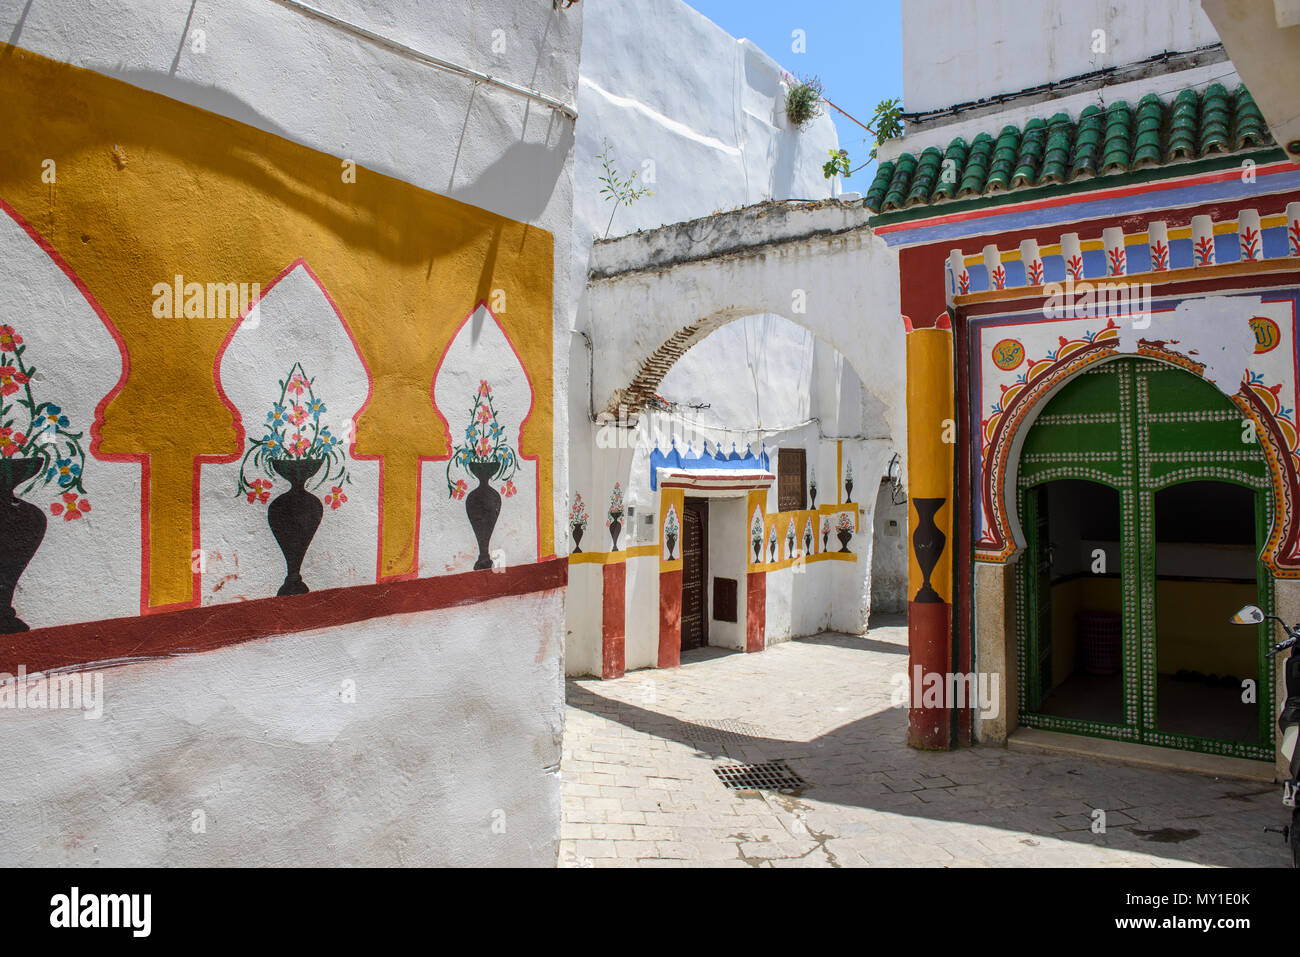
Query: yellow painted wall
(148, 187)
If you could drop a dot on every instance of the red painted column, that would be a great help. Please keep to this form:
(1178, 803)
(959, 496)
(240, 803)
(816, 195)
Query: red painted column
(612, 622)
(670, 618)
(756, 611)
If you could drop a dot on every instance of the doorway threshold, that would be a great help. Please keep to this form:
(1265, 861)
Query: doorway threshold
(1125, 752)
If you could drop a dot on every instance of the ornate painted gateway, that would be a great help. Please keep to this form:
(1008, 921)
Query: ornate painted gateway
(1118, 337)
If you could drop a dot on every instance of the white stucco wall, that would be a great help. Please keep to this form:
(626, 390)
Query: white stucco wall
(458, 713)
(958, 52)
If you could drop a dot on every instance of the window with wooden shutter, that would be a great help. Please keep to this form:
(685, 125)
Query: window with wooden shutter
(791, 490)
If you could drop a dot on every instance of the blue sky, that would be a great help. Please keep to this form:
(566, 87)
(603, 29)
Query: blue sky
(853, 46)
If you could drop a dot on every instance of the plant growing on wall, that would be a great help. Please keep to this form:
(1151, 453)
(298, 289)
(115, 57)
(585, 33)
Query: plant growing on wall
(886, 123)
(619, 189)
(803, 100)
(486, 455)
(615, 521)
(294, 446)
(578, 521)
(37, 447)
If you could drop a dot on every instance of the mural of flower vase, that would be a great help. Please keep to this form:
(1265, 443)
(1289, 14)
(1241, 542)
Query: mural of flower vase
(807, 539)
(844, 530)
(812, 489)
(756, 535)
(615, 521)
(43, 452)
(671, 528)
(295, 447)
(578, 522)
(487, 456)
(848, 483)
(826, 533)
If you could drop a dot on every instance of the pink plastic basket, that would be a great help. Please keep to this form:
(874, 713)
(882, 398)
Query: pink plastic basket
(1100, 641)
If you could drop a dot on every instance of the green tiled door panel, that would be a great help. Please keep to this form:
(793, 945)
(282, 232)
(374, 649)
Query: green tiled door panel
(1137, 425)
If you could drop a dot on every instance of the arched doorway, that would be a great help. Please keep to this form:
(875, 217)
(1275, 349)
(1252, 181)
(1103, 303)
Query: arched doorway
(1144, 500)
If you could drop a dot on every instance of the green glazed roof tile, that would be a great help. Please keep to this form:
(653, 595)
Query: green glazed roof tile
(879, 186)
(923, 180)
(950, 170)
(1113, 140)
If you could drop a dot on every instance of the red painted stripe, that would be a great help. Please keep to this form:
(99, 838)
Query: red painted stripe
(929, 638)
(192, 630)
(613, 621)
(1084, 197)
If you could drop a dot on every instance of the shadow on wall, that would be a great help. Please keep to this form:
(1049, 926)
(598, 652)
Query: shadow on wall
(889, 553)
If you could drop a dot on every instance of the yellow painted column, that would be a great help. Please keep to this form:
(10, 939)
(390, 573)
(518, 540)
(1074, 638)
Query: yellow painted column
(931, 436)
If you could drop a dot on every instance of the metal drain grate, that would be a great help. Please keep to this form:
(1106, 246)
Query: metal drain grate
(768, 776)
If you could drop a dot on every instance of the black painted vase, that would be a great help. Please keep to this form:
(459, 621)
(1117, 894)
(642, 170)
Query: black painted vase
(483, 506)
(577, 539)
(772, 550)
(826, 540)
(812, 493)
(807, 542)
(672, 542)
(294, 517)
(927, 543)
(615, 528)
(848, 488)
(845, 538)
(758, 549)
(22, 529)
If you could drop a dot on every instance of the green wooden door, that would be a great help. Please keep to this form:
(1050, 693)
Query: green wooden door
(1137, 426)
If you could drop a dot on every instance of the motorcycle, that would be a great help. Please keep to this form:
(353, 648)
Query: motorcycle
(1288, 722)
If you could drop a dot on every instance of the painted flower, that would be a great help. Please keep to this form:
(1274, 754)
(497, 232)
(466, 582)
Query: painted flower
(298, 445)
(297, 383)
(72, 506)
(276, 415)
(336, 497)
(259, 490)
(55, 418)
(11, 442)
(484, 414)
(483, 449)
(483, 387)
(316, 407)
(65, 470)
(460, 489)
(508, 490)
(9, 339)
(298, 417)
(10, 380)
(845, 522)
(274, 442)
(328, 441)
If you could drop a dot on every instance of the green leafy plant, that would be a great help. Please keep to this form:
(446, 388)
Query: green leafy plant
(886, 124)
(617, 188)
(803, 101)
(837, 165)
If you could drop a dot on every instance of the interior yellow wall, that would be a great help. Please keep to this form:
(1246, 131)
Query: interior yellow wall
(1191, 624)
(148, 188)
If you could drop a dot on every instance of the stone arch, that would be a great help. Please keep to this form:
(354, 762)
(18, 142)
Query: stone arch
(1004, 540)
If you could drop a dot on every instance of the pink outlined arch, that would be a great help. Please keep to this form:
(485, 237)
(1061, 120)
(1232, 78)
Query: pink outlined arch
(96, 426)
(532, 402)
(241, 436)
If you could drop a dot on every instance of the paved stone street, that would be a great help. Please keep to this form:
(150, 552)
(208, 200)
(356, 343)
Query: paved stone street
(639, 786)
